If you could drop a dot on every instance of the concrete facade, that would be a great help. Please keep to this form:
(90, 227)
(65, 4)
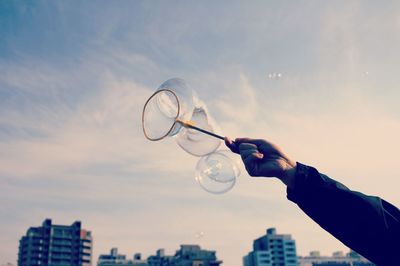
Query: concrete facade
(56, 245)
(272, 249)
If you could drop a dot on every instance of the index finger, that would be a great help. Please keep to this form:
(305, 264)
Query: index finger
(256, 142)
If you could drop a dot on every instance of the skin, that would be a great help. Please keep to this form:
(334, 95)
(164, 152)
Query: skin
(264, 159)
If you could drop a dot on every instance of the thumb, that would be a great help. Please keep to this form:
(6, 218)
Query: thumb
(232, 145)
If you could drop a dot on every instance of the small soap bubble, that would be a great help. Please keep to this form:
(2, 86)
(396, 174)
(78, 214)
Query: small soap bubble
(274, 75)
(199, 234)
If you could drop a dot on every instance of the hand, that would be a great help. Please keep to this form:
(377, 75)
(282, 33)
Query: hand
(263, 158)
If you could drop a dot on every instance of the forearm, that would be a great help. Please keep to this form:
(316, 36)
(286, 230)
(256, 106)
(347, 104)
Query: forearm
(358, 220)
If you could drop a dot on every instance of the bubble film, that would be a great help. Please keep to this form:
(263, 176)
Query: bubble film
(195, 142)
(173, 100)
(159, 115)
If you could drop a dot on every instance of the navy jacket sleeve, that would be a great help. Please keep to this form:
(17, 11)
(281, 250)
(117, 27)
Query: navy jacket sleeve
(367, 224)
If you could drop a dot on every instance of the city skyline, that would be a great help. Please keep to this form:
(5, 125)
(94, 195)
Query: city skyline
(58, 244)
(318, 78)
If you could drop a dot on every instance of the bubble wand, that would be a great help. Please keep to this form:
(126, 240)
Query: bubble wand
(171, 113)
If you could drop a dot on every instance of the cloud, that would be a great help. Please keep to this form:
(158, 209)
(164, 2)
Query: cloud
(111, 119)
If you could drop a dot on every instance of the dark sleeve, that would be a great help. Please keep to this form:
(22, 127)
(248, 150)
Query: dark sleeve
(369, 225)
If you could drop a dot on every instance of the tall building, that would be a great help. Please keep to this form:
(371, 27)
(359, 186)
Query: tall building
(56, 245)
(272, 250)
(115, 259)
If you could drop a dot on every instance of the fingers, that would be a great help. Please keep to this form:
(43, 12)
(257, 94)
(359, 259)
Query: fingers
(251, 157)
(234, 145)
(264, 146)
(257, 142)
(251, 164)
(248, 149)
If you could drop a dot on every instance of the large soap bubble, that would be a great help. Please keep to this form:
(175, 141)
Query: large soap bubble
(173, 101)
(196, 142)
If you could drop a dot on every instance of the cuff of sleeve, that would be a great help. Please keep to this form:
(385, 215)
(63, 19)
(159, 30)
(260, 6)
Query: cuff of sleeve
(302, 175)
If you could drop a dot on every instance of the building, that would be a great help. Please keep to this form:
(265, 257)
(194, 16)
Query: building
(56, 245)
(272, 250)
(115, 259)
(112, 258)
(187, 255)
(193, 255)
(337, 259)
(332, 263)
(160, 259)
(259, 258)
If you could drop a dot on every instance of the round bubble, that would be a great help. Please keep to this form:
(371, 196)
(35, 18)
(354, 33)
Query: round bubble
(217, 172)
(173, 100)
(199, 234)
(195, 142)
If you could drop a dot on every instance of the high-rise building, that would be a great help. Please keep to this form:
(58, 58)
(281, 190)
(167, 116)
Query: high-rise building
(56, 245)
(115, 259)
(272, 250)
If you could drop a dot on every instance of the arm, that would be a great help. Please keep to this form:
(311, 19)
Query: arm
(367, 224)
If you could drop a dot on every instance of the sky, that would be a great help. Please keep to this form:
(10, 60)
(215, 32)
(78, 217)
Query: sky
(74, 77)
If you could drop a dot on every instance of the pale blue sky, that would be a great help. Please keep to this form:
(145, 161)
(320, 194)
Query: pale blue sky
(74, 76)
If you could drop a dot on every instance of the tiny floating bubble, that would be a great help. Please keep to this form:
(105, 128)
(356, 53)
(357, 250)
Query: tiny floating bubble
(274, 75)
(199, 234)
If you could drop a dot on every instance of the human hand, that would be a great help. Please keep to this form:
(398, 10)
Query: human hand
(263, 158)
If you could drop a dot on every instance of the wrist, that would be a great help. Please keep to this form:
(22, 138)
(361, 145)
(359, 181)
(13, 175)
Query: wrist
(289, 174)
